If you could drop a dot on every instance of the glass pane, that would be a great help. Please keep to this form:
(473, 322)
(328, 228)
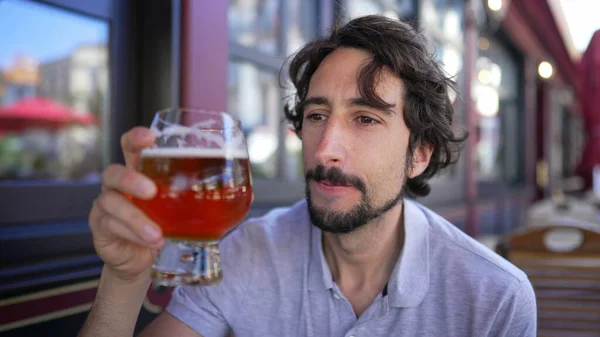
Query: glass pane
(303, 23)
(254, 23)
(486, 93)
(53, 91)
(444, 17)
(357, 8)
(253, 97)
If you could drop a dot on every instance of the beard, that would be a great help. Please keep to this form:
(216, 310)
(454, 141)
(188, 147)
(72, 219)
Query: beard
(345, 222)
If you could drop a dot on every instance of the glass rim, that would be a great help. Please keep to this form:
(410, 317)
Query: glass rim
(237, 123)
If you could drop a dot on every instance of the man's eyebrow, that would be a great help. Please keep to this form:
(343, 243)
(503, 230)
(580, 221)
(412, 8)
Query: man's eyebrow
(316, 100)
(386, 108)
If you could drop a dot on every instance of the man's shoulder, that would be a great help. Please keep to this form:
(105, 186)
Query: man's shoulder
(453, 247)
(277, 221)
(269, 232)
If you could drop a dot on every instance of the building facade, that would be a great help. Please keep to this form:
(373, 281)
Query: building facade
(227, 56)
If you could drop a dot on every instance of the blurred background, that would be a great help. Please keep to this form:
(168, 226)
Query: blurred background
(75, 75)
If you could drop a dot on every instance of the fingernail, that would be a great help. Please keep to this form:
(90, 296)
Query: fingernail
(145, 187)
(151, 233)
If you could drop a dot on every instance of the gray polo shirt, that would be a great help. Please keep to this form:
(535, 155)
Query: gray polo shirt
(276, 282)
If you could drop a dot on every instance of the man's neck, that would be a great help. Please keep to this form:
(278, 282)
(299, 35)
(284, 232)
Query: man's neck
(361, 262)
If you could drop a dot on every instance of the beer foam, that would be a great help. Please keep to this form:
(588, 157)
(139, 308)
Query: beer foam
(190, 152)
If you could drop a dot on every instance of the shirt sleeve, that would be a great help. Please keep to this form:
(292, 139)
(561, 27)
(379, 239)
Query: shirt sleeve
(196, 308)
(518, 314)
(209, 310)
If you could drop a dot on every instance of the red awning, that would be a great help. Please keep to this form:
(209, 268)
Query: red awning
(40, 112)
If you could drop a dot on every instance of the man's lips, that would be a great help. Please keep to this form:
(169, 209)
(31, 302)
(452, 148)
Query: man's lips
(328, 188)
(330, 184)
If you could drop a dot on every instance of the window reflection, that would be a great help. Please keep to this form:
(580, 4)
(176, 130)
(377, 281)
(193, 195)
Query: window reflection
(253, 97)
(53, 91)
(443, 17)
(496, 98)
(253, 23)
(302, 15)
(357, 8)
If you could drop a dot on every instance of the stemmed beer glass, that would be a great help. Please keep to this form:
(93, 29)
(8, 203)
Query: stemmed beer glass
(199, 162)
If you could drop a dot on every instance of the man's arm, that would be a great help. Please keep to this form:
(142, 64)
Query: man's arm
(116, 309)
(518, 315)
(167, 325)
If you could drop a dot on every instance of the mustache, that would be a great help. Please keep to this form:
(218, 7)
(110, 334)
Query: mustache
(335, 176)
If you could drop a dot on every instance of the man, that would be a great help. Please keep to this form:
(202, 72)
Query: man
(356, 258)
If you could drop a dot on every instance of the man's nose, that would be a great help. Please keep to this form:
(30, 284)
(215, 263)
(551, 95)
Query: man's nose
(331, 149)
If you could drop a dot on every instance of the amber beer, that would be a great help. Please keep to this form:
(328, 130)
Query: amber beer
(202, 193)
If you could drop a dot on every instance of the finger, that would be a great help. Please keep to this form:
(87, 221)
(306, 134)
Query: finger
(123, 179)
(133, 142)
(114, 228)
(118, 207)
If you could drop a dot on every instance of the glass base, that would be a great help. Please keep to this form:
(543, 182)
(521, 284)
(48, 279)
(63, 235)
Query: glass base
(187, 262)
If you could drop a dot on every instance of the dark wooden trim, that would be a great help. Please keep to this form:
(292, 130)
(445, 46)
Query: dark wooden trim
(102, 9)
(155, 59)
(24, 202)
(176, 15)
(45, 304)
(37, 255)
(124, 60)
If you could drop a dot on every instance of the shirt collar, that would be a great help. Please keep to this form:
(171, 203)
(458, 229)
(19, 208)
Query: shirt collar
(319, 277)
(409, 281)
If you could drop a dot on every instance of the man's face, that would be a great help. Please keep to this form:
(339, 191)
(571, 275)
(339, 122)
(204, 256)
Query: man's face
(354, 154)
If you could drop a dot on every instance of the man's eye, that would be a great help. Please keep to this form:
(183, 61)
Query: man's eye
(366, 120)
(316, 117)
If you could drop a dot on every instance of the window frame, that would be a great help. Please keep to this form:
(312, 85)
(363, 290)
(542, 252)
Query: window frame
(490, 187)
(52, 200)
(43, 197)
(44, 232)
(447, 186)
(288, 191)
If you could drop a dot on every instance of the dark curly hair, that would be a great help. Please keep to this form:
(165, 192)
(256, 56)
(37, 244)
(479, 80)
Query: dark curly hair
(398, 47)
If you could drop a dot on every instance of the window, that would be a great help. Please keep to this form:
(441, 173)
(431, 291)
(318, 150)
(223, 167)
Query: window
(253, 23)
(53, 92)
(66, 69)
(395, 9)
(442, 24)
(499, 130)
(262, 35)
(573, 140)
(253, 96)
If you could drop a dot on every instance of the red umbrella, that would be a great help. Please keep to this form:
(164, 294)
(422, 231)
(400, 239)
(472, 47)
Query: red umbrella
(589, 93)
(84, 118)
(40, 112)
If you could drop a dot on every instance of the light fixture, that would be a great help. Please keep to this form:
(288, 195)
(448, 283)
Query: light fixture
(484, 43)
(487, 101)
(484, 76)
(545, 69)
(494, 5)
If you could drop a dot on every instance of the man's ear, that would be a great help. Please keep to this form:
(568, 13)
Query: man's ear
(420, 160)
